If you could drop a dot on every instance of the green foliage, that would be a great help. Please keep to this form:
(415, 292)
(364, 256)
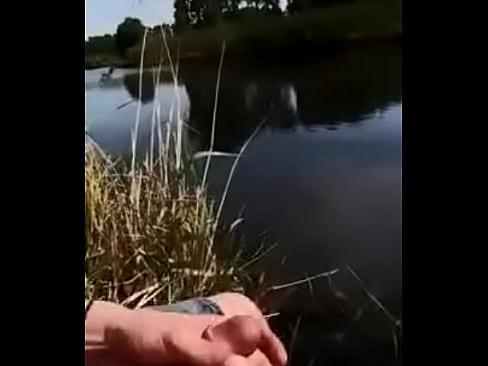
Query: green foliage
(202, 25)
(101, 51)
(198, 14)
(129, 33)
(212, 13)
(182, 15)
(264, 5)
(100, 44)
(298, 6)
(360, 21)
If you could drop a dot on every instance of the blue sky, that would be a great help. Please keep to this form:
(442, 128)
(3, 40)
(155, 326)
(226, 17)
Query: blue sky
(103, 16)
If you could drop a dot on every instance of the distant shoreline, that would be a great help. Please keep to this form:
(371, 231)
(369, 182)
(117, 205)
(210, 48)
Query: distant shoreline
(302, 52)
(294, 36)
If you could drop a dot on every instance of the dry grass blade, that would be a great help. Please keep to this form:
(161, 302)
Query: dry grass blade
(395, 342)
(396, 322)
(214, 116)
(138, 294)
(258, 257)
(235, 224)
(139, 103)
(302, 281)
(293, 339)
(234, 166)
(210, 154)
(149, 296)
(269, 316)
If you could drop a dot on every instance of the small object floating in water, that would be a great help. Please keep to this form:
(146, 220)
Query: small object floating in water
(106, 75)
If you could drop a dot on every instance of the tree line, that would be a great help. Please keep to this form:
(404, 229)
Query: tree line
(129, 33)
(198, 14)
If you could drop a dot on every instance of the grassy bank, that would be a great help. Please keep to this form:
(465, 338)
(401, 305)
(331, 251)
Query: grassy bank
(151, 233)
(360, 21)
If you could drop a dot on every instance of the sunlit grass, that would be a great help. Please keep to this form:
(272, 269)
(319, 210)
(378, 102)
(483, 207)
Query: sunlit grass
(150, 234)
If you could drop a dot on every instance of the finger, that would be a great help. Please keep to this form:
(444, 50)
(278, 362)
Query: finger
(258, 359)
(272, 347)
(246, 334)
(201, 352)
(241, 333)
(236, 360)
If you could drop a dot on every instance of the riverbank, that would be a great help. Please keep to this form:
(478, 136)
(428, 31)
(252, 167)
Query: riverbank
(289, 36)
(151, 233)
(98, 61)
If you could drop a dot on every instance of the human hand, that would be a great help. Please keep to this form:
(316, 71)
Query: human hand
(145, 337)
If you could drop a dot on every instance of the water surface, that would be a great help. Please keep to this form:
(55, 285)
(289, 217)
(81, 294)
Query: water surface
(322, 178)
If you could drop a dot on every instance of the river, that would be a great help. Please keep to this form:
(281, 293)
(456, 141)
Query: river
(322, 178)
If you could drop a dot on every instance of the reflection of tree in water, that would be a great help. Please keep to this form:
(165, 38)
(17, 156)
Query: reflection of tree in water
(149, 80)
(131, 83)
(346, 86)
(350, 86)
(243, 104)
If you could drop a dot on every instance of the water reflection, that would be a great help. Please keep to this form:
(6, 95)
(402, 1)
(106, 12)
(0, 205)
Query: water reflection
(347, 87)
(149, 80)
(112, 109)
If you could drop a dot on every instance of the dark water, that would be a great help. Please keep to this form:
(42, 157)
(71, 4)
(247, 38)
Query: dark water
(323, 179)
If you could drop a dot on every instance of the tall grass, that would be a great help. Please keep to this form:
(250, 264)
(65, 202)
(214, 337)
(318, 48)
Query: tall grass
(152, 234)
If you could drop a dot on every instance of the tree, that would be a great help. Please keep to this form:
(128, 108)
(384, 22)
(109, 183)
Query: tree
(212, 13)
(297, 6)
(231, 6)
(229, 9)
(265, 6)
(271, 6)
(205, 13)
(129, 33)
(182, 14)
(100, 44)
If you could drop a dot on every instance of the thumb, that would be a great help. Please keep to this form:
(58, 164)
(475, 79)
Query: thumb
(241, 334)
(203, 352)
(236, 360)
(221, 344)
(245, 334)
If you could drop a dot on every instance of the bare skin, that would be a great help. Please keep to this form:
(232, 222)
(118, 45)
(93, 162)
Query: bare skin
(117, 336)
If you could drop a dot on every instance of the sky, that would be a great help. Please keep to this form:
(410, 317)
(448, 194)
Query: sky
(103, 16)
